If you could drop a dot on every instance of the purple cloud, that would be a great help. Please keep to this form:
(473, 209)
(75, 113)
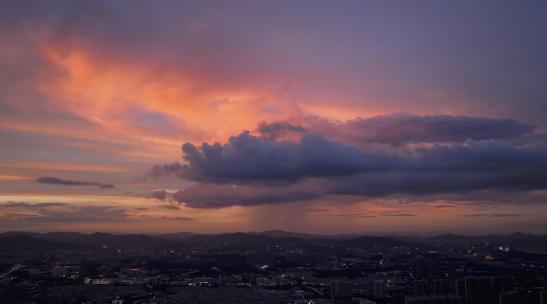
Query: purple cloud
(66, 182)
(250, 170)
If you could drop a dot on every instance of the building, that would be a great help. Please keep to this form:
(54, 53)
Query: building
(531, 296)
(342, 292)
(422, 287)
(440, 287)
(459, 287)
(448, 299)
(484, 289)
(471, 290)
(379, 289)
(425, 267)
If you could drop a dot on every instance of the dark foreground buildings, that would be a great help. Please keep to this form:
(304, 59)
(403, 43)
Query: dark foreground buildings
(257, 268)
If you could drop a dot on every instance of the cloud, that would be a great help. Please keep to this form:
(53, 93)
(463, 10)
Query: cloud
(442, 206)
(250, 170)
(223, 195)
(476, 215)
(159, 194)
(162, 170)
(177, 218)
(403, 129)
(337, 150)
(397, 129)
(56, 48)
(443, 65)
(398, 214)
(492, 215)
(27, 205)
(66, 182)
(371, 214)
(247, 157)
(354, 215)
(472, 166)
(170, 207)
(26, 214)
(276, 130)
(67, 214)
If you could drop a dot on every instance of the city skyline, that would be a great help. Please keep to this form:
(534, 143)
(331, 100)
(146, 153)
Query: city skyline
(358, 117)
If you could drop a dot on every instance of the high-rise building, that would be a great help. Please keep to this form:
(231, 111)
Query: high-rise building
(527, 296)
(341, 291)
(398, 296)
(425, 267)
(509, 297)
(472, 290)
(484, 289)
(440, 287)
(487, 290)
(459, 287)
(379, 289)
(422, 287)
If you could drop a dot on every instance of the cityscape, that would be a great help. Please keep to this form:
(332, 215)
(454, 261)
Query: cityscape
(273, 152)
(271, 267)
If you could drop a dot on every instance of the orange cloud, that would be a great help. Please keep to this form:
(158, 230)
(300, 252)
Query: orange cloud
(104, 91)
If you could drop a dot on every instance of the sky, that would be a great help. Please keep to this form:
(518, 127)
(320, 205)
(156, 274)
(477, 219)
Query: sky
(371, 117)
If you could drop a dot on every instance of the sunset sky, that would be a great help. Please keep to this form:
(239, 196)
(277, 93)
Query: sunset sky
(312, 116)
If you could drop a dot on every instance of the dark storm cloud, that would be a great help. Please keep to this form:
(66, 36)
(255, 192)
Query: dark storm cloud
(66, 182)
(466, 166)
(251, 158)
(275, 130)
(241, 171)
(406, 128)
(473, 166)
(159, 194)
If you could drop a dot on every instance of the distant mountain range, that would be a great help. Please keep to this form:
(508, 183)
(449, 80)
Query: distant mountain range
(24, 242)
(17, 241)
